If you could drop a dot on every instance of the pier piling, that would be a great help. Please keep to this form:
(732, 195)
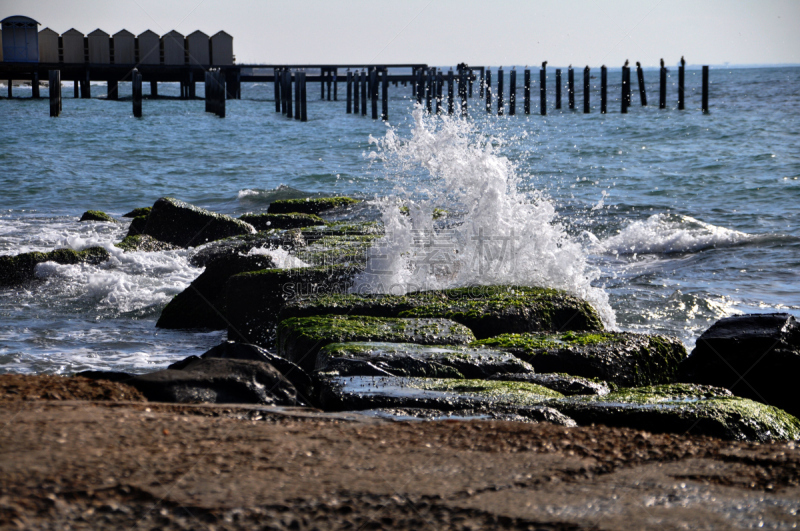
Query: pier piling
(297, 93)
(303, 107)
(481, 87)
(462, 85)
(429, 91)
(136, 86)
(543, 89)
(526, 91)
(75, 87)
(489, 91)
(512, 93)
(153, 89)
(35, 86)
(277, 90)
(112, 90)
(356, 83)
(624, 96)
(54, 82)
(373, 92)
(681, 78)
(287, 84)
(627, 85)
(603, 89)
(571, 87)
(349, 92)
(438, 90)
(586, 85)
(363, 93)
(705, 89)
(640, 78)
(500, 102)
(558, 88)
(335, 85)
(385, 95)
(450, 103)
(662, 89)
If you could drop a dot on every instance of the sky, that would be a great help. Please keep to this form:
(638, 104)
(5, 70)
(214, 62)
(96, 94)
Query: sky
(447, 32)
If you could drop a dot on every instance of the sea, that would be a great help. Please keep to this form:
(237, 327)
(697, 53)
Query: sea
(666, 220)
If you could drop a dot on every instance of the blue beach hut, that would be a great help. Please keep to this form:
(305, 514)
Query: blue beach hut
(20, 40)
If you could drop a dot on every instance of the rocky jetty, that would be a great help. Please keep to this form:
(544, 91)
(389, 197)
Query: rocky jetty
(309, 205)
(185, 225)
(282, 221)
(21, 268)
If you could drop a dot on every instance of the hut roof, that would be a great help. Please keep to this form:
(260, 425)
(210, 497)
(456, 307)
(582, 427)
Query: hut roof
(98, 33)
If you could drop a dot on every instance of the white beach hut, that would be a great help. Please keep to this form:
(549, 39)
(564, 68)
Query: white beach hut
(72, 42)
(174, 48)
(221, 49)
(99, 47)
(48, 46)
(149, 48)
(124, 48)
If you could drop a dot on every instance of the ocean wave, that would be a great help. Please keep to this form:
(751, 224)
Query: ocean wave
(254, 195)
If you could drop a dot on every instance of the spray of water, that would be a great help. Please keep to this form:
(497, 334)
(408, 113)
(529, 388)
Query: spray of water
(491, 235)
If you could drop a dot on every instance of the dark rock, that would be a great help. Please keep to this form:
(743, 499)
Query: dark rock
(309, 205)
(681, 409)
(352, 229)
(300, 338)
(111, 376)
(97, 215)
(487, 310)
(622, 358)
(137, 226)
(138, 212)
(282, 221)
(406, 359)
(186, 225)
(755, 356)
(144, 243)
(218, 381)
(563, 383)
(273, 239)
(253, 300)
(201, 304)
(17, 269)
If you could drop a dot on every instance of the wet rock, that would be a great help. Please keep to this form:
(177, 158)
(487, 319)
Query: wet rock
(17, 269)
(563, 383)
(300, 338)
(353, 229)
(755, 356)
(622, 358)
(97, 215)
(487, 310)
(137, 226)
(138, 212)
(253, 300)
(218, 381)
(201, 304)
(406, 359)
(272, 239)
(111, 376)
(684, 408)
(144, 243)
(186, 225)
(282, 221)
(532, 414)
(309, 205)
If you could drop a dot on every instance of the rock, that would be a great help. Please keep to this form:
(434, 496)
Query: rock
(138, 212)
(309, 205)
(97, 215)
(378, 392)
(17, 269)
(201, 304)
(563, 383)
(755, 356)
(253, 300)
(682, 408)
(406, 359)
(144, 243)
(218, 381)
(352, 229)
(186, 225)
(272, 239)
(623, 358)
(530, 415)
(137, 226)
(111, 376)
(282, 221)
(487, 310)
(300, 338)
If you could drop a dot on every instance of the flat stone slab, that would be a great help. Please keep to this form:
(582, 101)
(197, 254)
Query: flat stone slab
(563, 383)
(487, 310)
(408, 359)
(185, 225)
(622, 358)
(310, 205)
(21, 268)
(244, 244)
(265, 221)
(300, 338)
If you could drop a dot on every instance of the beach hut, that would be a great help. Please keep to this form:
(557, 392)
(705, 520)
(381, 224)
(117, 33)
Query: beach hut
(99, 47)
(149, 48)
(72, 42)
(221, 49)
(20, 39)
(48, 46)
(124, 48)
(174, 48)
(197, 45)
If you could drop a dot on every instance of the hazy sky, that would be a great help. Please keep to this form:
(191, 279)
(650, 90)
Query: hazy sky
(446, 32)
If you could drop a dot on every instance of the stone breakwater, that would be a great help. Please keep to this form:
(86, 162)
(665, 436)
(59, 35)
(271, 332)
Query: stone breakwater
(281, 283)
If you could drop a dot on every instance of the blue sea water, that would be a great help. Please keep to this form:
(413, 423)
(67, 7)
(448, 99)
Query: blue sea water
(688, 217)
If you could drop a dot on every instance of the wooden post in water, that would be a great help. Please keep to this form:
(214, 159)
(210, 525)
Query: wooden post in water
(586, 85)
(681, 78)
(640, 78)
(303, 99)
(222, 94)
(277, 89)
(429, 91)
(470, 78)
(335, 85)
(543, 89)
(35, 86)
(385, 95)
(463, 82)
(662, 89)
(481, 87)
(86, 87)
(489, 91)
(419, 83)
(356, 83)
(329, 80)
(75, 86)
(558, 88)
(512, 92)
(526, 91)
(297, 97)
(450, 104)
(284, 90)
(54, 86)
(603, 89)
(190, 85)
(628, 86)
(322, 83)
(705, 89)
(571, 87)
(349, 92)
(288, 85)
(136, 86)
(373, 81)
(624, 96)
(112, 92)
(500, 103)
(208, 91)
(438, 90)
(153, 89)
(10, 88)
(363, 93)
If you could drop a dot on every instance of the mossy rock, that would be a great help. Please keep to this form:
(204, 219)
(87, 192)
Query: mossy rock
(97, 215)
(138, 212)
(144, 243)
(185, 225)
(342, 228)
(684, 408)
(299, 339)
(21, 268)
(137, 226)
(253, 300)
(269, 239)
(563, 383)
(487, 310)
(282, 221)
(309, 205)
(623, 358)
(406, 359)
(201, 304)
(336, 250)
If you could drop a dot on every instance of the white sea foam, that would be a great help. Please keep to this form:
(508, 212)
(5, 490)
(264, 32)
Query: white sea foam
(501, 236)
(280, 256)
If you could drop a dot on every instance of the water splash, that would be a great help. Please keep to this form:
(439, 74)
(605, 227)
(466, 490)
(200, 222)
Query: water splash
(492, 234)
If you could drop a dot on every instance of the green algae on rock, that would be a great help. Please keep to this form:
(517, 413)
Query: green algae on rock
(245, 244)
(486, 310)
(300, 338)
(144, 243)
(563, 383)
(281, 221)
(309, 205)
(138, 212)
(97, 215)
(17, 269)
(137, 226)
(377, 358)
(623, 358)
(185, 225)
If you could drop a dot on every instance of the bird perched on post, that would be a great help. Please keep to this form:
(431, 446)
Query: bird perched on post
(544, 64)
(683, 61)
(638, 64)
(662, 62)
(626, 63)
